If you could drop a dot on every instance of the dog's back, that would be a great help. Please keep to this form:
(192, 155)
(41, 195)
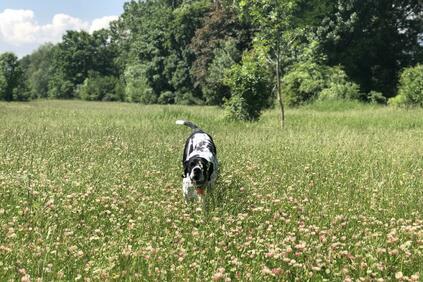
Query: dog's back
(198, 141)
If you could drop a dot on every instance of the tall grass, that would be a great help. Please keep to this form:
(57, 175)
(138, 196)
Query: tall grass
(93, 191)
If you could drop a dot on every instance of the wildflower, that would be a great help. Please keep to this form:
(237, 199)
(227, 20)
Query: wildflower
(415, 277)
(60, 274)
(399, 275)
(316, 268)
(219, 275)
(267, 271)
(277, 271)
(392, 237)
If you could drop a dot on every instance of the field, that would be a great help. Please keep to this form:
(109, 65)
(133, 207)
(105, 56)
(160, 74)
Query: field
(92, 191)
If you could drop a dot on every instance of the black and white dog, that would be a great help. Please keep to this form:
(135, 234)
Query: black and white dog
(199, 162)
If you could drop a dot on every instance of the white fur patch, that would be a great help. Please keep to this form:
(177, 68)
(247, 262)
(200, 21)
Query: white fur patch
(189, 190)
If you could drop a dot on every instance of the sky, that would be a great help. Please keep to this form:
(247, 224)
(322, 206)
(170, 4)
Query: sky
(27, 24)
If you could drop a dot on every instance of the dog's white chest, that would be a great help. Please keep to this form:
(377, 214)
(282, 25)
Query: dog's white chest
(189, 190)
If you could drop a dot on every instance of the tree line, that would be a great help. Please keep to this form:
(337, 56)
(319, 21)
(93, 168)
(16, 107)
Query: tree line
(241, 54)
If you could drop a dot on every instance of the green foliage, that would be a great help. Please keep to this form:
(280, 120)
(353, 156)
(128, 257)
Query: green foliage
(214, 89)
(166, 97)
(304, 82)
(308, 80)
(76, 56)
(187, 18)
(21, 92)
(60, 88)
(346, 90)
(398, 101)
(101, 88)
(11, 83)
(373, 40)
(376, 97)
(3, 86)
(250, 86)
(159, 38)
(338, 86)
(38, 70)
(411, 84)
(73, 57)
(410, 90)
(237, 109)
(217, 44)
(186, 97)
(137, 88)
(185, 48)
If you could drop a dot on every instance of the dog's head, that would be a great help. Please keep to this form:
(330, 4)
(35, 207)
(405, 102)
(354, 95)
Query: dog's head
(198, 169)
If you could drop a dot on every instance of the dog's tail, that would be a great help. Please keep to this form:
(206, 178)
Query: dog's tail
(187, 123)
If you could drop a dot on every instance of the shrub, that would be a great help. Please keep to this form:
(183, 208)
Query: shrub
(186, 97)
(303, 83)
(166, 97)
(250, 86)
(137, 88)
(60, 88)
(376, 97)
(236, 108)
(21, 92)
(338, 86)
(398, 101)
(345, 91)
(308, 80)
(101, 88)
(410, 90)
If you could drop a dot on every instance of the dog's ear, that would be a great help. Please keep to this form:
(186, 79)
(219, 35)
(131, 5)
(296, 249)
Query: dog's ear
(210, 171)
(186, 169)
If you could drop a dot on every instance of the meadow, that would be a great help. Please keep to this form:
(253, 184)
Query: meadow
(92, 191)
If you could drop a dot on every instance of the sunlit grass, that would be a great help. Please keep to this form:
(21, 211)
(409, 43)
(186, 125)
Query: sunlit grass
(93, 191)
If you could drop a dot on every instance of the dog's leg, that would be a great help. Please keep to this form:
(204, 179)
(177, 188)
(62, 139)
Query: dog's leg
(188, 190)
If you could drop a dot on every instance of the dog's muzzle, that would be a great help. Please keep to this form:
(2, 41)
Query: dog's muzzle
(197, 176)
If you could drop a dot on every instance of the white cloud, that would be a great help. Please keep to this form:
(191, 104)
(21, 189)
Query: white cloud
(19, 27)
(100, 23)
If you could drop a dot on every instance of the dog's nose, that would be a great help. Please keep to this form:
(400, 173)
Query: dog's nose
(197, 173)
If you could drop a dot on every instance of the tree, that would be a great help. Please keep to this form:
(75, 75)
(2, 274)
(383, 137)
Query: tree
(10, 78)
(276, 33)
(76, 56)
(143, 36)
(38, 70)
(187, 19)
(60, 87)
(250, 86)
(220, 26)
(214, 89)
(137, 87)
(97, 87)
(157, 35)
(373, 40)
(105, 54)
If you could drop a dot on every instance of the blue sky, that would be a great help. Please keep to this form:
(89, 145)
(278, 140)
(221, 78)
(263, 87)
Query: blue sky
(26, 24)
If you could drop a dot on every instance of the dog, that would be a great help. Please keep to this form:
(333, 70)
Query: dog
(199, 163)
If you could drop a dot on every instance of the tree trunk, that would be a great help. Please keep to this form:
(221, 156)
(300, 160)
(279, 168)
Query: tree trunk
(279, 90)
